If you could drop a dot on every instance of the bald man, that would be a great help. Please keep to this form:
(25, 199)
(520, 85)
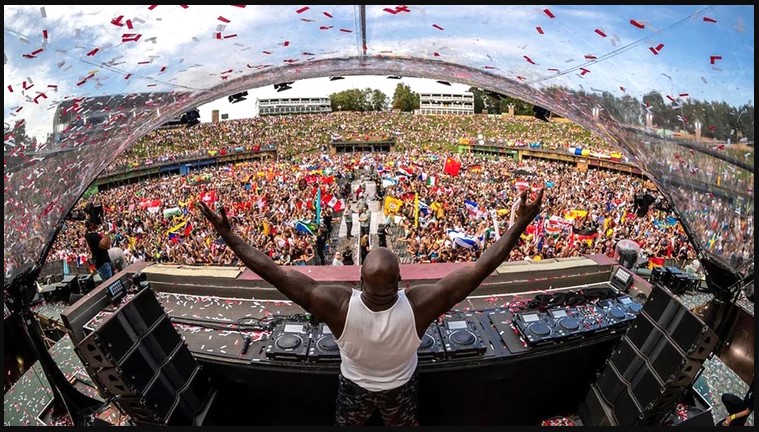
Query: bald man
(378, 328)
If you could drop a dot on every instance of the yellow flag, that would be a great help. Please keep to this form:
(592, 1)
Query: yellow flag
(416, 209)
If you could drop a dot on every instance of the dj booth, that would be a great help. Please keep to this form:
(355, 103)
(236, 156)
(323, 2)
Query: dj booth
(525, 346)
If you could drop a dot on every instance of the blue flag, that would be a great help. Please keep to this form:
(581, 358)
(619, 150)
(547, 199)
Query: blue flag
(318, 206)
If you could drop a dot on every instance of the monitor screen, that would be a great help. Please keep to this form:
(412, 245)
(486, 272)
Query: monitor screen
(559, 313)
(456, 325)
(530, 318)
(625, 300)
(293, 328)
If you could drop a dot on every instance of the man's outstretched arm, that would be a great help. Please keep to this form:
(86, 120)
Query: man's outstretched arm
(296, 286)
(430, 301)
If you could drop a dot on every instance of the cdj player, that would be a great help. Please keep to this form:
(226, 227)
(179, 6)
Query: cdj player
(559, 324)
(289, 341)
(461, 337)
(323, 348)
(431, 347)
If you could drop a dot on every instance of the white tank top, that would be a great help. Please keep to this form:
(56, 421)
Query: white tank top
(378, 349)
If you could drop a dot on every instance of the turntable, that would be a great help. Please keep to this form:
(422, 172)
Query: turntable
(323, 346)
(461, 337)
(289, 341)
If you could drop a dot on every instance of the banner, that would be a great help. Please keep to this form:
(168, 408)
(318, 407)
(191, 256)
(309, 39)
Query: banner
(392, 205)
(451, 167)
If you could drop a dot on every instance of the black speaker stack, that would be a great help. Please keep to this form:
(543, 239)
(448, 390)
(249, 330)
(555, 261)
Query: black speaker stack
(652, 368)
(138, 359)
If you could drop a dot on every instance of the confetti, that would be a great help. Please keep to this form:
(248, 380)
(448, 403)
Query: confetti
(151, 7)
(529, 60)
(222, 19)
(590, 57)
(233, 35)
(240, 6)
(553, 70)
(600, 32)
(325, 27)
(93, 52)
(713, 59)
(659, 47)
(549, 13)
(327, 14)
(653, 50)
(622, 88)
(44, 34)
(637, 24)
(117, 21)
(437, 26)
(303, 9)
(346, 30)
(390, 11)
(710, 20)
(184, 6)
(539, 29)
(43, 12)
(286, 43)
(436, 54)
(129, 24)
(584, 71)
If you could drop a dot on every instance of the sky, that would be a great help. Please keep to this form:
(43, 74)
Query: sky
(52, 53)
(323, 87)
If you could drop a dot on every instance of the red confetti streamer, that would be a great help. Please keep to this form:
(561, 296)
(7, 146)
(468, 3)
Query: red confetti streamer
(226, 71)
(130, 37)
(52, 86)
(233, 35)
(41, 95)
(553, 70)
(326, 27)
(621, 88)
(489, 67)
(600, 32)
(222, 19)
(402, 8)
(710, 20)
(127, 76)
(519, 77)
(346, 30)
(590, 57)
(713, 59)
(529, 60)
(659, 47)
(436, 54)
(548, 12)
(683, 94)
(670, 98)
(540, 30)
(218, 35)
(117, 21)
(637, 24)
(37, 51)
(390, 11)
(93, 52)
(286, 43)
(584, 71)
(151, 7)
(183, 7)
(266, 52)
(163, 69)
(308, 54)
(240, 6)
(44, 34)
(653, 50)
(10, 89)
(437, 26)
(81, 82)
(129, 24)
(143, 62)
(326, 14)
(152, 85)
(303, 9)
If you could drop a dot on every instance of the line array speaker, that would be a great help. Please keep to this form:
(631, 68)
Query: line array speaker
(653, 365)
(137, 356)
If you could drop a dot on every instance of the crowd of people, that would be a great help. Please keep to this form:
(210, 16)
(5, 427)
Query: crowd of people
(437, 217)
(294, 134)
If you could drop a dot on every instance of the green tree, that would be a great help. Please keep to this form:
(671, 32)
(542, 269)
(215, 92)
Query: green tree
(404, 99)
(378, 101)
(479, 104)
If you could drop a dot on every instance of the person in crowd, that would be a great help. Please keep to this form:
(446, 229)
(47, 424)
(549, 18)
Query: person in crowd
(99, 245)
(337, 260)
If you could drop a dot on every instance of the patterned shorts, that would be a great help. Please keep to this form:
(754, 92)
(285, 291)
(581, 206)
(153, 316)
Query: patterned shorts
(396, 406)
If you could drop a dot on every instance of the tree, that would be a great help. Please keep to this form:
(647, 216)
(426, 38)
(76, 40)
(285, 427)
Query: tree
(479, 104)
(378, 101)
(404, 99)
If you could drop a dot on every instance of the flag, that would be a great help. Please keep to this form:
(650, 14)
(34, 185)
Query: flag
(339, 206)
(424, 209)
(318, 206)
(332, 202)
(305, 227)
(451, 166)
(387, 182)
(187, 229)
(209, 197)
(392, 205)
(522, 185)
(471, 206)
(174, 237)
(474, 168)
(432, 181)
(466, 242)
(177, 227)
(416, 210)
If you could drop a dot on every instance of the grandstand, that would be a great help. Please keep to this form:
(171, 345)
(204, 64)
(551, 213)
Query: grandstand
(278, 106)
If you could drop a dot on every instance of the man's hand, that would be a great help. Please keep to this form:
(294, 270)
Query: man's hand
(219, 221)
(527, 212)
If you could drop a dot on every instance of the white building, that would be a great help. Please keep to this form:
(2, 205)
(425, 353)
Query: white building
(442, 103)
(275, 106)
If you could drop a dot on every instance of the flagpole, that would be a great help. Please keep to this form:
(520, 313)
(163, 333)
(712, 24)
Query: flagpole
(416, 210)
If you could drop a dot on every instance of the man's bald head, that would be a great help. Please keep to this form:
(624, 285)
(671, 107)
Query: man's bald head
(380, 270)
